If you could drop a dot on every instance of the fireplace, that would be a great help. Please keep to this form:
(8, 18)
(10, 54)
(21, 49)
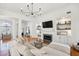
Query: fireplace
(47, 38)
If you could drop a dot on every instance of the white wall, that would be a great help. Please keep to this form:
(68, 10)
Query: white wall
(54, 16)
(75, 23)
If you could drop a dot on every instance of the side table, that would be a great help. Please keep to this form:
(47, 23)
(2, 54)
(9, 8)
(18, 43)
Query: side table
(74, 52)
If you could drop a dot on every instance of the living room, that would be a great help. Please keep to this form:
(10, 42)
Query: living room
(38, 35)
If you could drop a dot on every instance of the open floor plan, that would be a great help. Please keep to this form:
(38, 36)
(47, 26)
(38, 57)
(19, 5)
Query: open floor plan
(39, 29)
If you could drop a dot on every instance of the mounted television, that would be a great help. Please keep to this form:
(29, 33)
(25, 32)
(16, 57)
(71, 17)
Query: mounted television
(47, 24)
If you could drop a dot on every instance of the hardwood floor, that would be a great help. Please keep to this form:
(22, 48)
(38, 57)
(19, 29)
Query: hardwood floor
(33, 39)
(30, 39)
(6, 38)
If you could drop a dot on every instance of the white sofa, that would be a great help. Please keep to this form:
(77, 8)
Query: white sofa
(18, 49)
(53, 49)
(14, 52)
(60, 47)
(23, 50)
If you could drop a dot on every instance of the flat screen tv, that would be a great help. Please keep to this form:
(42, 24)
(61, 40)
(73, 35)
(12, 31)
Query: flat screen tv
(47, 24)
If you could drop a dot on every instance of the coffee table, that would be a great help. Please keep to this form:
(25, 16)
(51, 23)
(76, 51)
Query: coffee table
(38, 44)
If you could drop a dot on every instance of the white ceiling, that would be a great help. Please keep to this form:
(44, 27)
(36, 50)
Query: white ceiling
(46, 7)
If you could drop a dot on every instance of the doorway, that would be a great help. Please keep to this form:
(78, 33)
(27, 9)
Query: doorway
(5, 30)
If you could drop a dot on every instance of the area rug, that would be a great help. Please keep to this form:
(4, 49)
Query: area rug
(4, 50)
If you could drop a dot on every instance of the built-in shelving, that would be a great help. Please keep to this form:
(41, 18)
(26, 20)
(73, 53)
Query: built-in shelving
(63, 27)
